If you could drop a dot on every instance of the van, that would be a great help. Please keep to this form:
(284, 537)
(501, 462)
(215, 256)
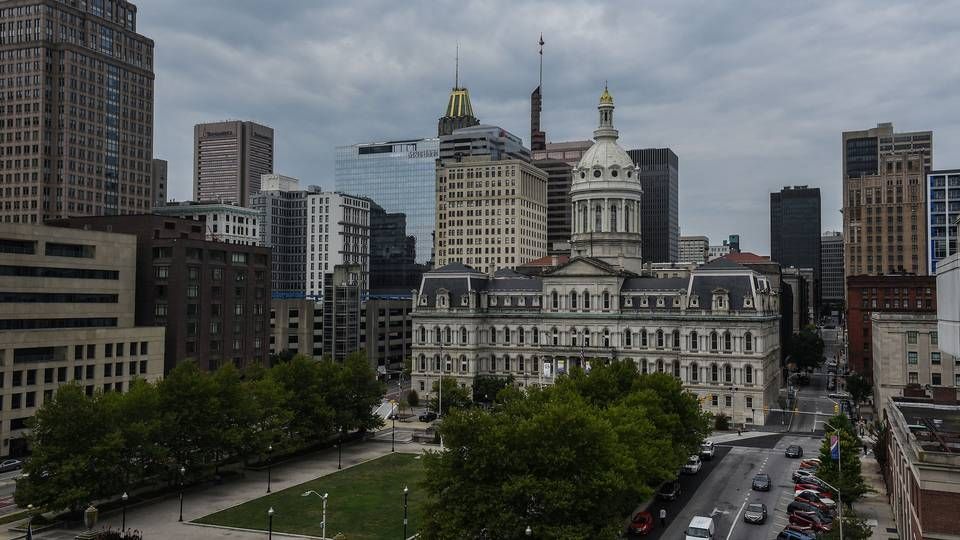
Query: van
(700, 527)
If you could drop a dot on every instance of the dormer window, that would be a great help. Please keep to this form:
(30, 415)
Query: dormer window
(493, 300)
(628, 301)
(522, 301)
(694, 301)
(596, 173)
(441, 300)
(464, 300)
(748, 302)
(676, 301)
(506, 301)
(423, 299)
(536, 301)
(659, 301)
(643, 301)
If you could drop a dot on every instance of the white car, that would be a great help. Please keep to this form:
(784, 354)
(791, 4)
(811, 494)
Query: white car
(708, 450)
(693, 465)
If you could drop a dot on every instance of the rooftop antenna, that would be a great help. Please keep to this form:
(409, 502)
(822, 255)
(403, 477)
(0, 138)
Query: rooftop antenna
(456, 73)
(541, 60)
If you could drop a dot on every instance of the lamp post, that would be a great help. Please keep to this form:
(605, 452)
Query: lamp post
(183, 471)
(323, 524)
(269, 466)
(406, 493)
(30, 521)
(270, 523)
(123, 519)
(340, 448)
(393, 433)
(528, 532)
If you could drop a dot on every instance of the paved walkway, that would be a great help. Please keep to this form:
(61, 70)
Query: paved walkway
(875, 506)
(158, 518)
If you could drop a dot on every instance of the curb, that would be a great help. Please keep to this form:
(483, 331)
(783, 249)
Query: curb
(256, 531)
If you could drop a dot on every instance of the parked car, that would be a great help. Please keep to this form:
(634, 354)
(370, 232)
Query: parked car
(803, 507)
(669, 490)
(802, 530)
(693, 465)
(809, 520)
(642, 523)
(428, 416)
(8, 465)
(802, 474)
(761, 482)
(755, 513)
(809, 462)
(810, 483)
(815, 498)
(790, 534)
(700, 527)
(818, 483)
(708, 450)
(793, 451)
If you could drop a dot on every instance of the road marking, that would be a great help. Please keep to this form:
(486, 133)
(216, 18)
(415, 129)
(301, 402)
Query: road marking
(736, 519)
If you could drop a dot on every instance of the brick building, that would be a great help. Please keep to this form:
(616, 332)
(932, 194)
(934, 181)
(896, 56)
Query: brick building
(212, 297)
(867, 295)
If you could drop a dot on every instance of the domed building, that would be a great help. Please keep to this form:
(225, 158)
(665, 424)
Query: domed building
(605, 192)
(715, 327)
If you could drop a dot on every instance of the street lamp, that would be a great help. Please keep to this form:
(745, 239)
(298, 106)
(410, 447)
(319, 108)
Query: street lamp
(393, 433)
(406, 493)
(30, 521)
(529, 531)
(269, 465)
(323, 524)
(183, 471)
(123, 520)
(340, 448)
(270, 523)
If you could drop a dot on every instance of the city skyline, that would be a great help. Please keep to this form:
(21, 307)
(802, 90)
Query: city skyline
(768, 91)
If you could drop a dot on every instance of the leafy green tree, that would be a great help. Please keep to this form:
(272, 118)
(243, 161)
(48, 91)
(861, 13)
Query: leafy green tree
(847, 476)
(362, 390)
(306, 399)
(806, 348)
(854, 528)
(136, 416)
(413, 398)
(486, 387)
(188, 430)
(271, 415)
(454, 396)
(860, 388)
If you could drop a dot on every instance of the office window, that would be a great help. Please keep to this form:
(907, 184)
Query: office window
(912, 358)
(16, 401)
(108, 370)
(913, 378)
(912, 338)
(78, 373)
(935, 379)
(108, 350)
(934, 338)
(90, 371)
(935, 358)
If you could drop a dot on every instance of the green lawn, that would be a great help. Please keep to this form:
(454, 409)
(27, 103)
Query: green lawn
(365, 502)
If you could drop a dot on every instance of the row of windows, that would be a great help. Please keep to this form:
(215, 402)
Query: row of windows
(56, 298)
(66, 273)
(59, 375)
(41, 324)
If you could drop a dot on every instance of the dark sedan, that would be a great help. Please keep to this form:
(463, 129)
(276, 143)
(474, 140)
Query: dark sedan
(755, 513)
(428, 416)
(793, 451)
(761, 482)
(669, 490)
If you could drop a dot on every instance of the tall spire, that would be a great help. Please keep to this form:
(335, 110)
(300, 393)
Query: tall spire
(541, 60)
(538, 139)
(456, 73)
(459, 111)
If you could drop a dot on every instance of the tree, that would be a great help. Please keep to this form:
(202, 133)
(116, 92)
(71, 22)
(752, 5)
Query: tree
(486, 387)
(860, 388)
(806, 348)
(854, 528)
(454, 396)
(189, 414)
(413, 398)
(846, 476)
(305, 397)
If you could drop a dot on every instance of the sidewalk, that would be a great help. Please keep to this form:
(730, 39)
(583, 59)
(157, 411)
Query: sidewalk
(158, 519)
(875, 506)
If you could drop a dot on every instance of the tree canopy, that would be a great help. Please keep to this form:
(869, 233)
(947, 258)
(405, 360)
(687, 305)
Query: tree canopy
(806, 348)
(568, 460)
(847, 477)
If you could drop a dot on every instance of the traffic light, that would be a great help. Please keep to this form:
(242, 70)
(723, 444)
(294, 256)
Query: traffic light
(836, 408)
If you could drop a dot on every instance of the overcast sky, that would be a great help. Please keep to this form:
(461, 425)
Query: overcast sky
(751, 96)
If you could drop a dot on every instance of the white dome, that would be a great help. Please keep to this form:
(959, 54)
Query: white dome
(605, 154)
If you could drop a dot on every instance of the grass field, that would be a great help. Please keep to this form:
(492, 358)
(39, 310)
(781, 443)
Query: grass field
(365, 502)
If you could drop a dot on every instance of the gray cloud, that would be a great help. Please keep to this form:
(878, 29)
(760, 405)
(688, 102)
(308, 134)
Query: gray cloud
(752, 95)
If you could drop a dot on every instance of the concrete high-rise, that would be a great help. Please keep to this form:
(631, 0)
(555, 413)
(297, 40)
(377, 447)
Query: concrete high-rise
(283, 217)
(77, 120)
(159, 182)
(795, 231)
(831, 268)
(228, 160)
(884, 200)
(694, 249)
(339, 234)
(459, 112)
(491, 201)
(659, 209)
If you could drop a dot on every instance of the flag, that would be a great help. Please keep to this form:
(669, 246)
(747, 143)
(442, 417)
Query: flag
(835, 447)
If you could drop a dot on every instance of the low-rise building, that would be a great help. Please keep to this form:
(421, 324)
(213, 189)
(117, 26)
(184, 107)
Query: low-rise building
(222, 222)
(694, 249)
(68, 316)
(296, 327)
(386, 332)
(922, 469)
(907, 352)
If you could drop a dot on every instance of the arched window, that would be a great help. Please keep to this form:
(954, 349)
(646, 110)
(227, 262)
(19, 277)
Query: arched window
(748, 374)
(536, 335)
(626, 217)
(643, 366)
(727, 341)
(493, 335)
(506, 363)
(423, 363)
(659, 366)
(676, 339)
(436, 362)
(598, 218)
(520, 335)
(694, 341)
(748, 342)
(714, 341)
(606, 300)
(714, 373)
(643, 338)
(423, 335)
(573, 300)
(586, 299)
(463, 336)
(447, 335)
(628, 338)
(463, 364)
(574, 337)
(659, 339)
(447, 365)
(554, 300)
(727, 373)
(556, 337)
(606, 338)
(694, 372)
(613, 218)
(586, 337)
(506, 335)
(436, 335)
(676, 368)
(583, 218)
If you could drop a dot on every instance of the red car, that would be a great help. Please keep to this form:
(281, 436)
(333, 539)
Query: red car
(813, 463)
(642, 523)
(809, 520)
(799, 486)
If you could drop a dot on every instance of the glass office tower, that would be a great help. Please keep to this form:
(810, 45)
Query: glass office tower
(397, 175)
(943, 210)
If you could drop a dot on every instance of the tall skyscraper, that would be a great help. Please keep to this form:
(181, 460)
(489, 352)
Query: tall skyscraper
(158, 172)
(339, 233)
(491, 201)
(398, 175)
(393, 253)
(943, 210)
(884, 200)
(558, 161)
(832, 283)
(538, 139)
(228, 160)
(659, 209)
(283, 210)
(459, 111)
(795, 231)
(94, 96)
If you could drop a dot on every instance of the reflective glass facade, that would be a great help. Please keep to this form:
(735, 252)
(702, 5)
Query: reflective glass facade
(943, 210)
(397, 175)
